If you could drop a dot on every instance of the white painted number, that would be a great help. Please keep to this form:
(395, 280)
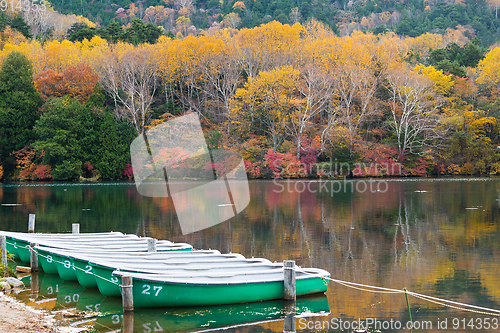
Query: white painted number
(93, 308)
(49, 259)
(115, 319)
(88, 269)
(68, 299)
(68, 264)
(50, 290)
(146, 289)
(147, 328)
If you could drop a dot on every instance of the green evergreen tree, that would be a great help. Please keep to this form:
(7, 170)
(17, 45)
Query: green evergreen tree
(19, 104)
(4, 20)
(114, 32)
(452, 67)
(404, 28)
(113, 152)
(20, 25)
(139, 32)
(62, 135)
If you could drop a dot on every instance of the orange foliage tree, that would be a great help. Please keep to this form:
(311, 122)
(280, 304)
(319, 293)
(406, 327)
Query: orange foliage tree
(75, 81)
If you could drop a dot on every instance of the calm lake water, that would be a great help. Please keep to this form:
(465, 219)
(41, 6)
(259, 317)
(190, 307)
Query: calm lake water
(438, 237)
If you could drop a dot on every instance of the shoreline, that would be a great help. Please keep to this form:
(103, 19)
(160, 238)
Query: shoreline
(17, 317)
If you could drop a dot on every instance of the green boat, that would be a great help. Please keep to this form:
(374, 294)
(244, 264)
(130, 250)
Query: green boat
(19, 239)
(19, 242)
(109, 285)
(12, 236)
(68, 263)
(65, 268)
(90, 300)
(47, 289)
(68, 295)
(86, 276)
(12, 249)
(49, 264)
(156, 290)
(46, 261)
(206, 318)
(23, 250)
(49, 285)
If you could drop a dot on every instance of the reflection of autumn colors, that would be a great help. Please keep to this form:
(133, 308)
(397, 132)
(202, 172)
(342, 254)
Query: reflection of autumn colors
(400, 238)
(437, 237)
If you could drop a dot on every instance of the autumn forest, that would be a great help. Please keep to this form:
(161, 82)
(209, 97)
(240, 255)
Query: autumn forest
(281, 94)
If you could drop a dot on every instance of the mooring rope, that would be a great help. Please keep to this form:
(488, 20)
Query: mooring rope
(75, 267)
(353, 285)
(435, 300)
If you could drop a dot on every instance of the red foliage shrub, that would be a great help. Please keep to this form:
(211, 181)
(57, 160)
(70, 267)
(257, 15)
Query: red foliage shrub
(128, 172)
(26, 173)
(42, 172)
(88, 166)
(377, 160)
(36, 172)
(419, 168)
(308, 158)
(284, 165)
(254, 169)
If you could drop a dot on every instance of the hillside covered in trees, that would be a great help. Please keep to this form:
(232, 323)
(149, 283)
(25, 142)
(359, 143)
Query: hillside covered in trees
(288, 97)
(405, 17)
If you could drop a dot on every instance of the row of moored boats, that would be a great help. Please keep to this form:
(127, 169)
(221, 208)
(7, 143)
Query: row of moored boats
(175, 275)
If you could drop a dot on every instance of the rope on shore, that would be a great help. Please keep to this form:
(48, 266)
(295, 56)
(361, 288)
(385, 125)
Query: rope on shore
(435, 300)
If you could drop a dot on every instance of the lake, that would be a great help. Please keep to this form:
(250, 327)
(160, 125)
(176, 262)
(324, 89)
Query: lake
(438, 237)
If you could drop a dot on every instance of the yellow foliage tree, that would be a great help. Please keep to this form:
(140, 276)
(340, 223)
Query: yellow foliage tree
(268, 101)
(488, 70)
(442, 83)
(269, 46)
(422, 44)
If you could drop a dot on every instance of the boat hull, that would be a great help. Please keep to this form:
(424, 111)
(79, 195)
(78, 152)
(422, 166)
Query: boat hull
(84, 273)
(108, 284)
(163, 294)
(23, 249)
(11, 248)
(65, 268)
(47, 262)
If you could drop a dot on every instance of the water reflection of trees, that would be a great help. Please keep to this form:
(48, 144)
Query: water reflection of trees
(425, 241)
(400, 238)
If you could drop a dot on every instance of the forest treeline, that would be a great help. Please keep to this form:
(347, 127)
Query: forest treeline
(190, 17)
(284, 96)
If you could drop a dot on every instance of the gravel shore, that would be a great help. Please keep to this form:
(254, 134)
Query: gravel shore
(17, 317)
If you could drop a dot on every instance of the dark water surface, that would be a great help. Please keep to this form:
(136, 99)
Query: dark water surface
(438, 237)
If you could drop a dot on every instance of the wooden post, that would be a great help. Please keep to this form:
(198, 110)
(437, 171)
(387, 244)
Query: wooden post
(152, 244)
(289, 280)
(127, 295)
(35, 288)
(34, 258)
(31, 224)
(128, 322)
(3, 248)
(290, 311)
(75, 228)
